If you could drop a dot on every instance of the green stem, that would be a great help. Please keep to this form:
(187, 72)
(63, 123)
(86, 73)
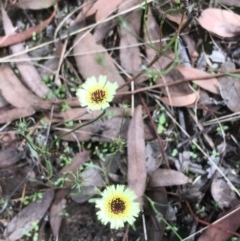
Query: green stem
(86, 124)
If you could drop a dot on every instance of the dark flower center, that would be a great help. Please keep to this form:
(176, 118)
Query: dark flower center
(98, 96)
(117, 206)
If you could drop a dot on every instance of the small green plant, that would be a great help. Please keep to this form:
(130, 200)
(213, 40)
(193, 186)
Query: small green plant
(64, 213)
(77, 178)
(61, 181)
(65, 106)
(32, 198)
(162, 123)
(222, 128)
(174, 152)
(33, 232)
(160, 218)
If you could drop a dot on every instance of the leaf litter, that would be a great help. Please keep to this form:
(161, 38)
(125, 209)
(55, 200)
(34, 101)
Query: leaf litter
(128, 48)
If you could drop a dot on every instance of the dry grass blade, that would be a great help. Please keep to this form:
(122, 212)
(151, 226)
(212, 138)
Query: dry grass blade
(137, 173)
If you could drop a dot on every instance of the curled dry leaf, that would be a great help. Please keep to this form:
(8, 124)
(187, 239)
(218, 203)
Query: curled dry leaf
(167, 177)
(220, 230)
(19, 37)
(180, 101)
(23, 221)
(28, 72)
(137, 173)
(222, 193)
(221, 22)
(210, 84)
(177, 95)
(35, 4)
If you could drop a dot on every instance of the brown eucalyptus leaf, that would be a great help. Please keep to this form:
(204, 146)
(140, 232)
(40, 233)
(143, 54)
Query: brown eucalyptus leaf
(19, 37)
(130, 58)
(17, 94)
(14, 114)
(167, 177)
(179, 101)
(230, 87)
(210, 84)
(55, 215)
(13, 90)
(137, 173)
(222, 193)
(102, 12)
(29, 73)
(156, 228)
(99, 62)
(67, 172)
(234, 3)
(152, 33)
(224, 23)
(10, 156)
(35, 4)
(23, 221)
(230, 223)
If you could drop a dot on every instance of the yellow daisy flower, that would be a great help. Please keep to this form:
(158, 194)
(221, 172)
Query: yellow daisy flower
(117, 206)
(96, 95)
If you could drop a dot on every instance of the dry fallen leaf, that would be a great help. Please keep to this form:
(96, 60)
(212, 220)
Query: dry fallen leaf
(17, 94)
(102, 12)
(230, 87)
(19, 37)
(221, 22)
(167, 177)
(177, 95)
(96, 63)
(234, 3)
(10, 156)
(67, 172)
(130, 58)
(180, 101)
(14, 114)
(24, 220)
(210, 84)
(230, 223)
(29, 73)
(137, 173)
(222, 193)
(156, 228)
(35, 4)
(153, 34)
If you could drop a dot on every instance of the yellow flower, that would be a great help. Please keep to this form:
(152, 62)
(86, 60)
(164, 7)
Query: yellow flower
(96, 95)
(117, 206)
